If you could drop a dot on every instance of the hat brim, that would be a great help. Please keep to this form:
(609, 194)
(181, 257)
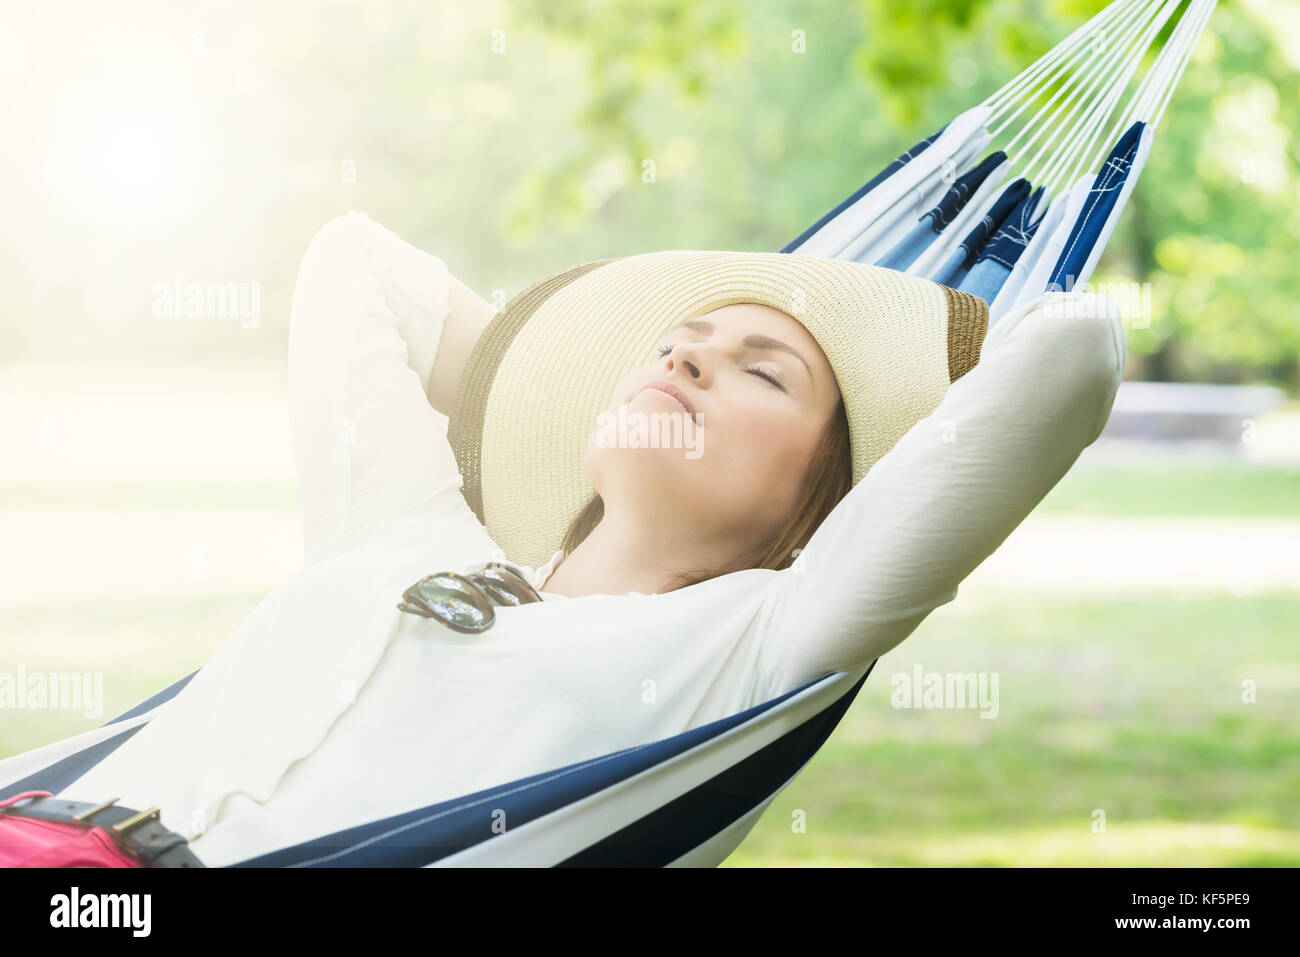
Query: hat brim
(545, 366)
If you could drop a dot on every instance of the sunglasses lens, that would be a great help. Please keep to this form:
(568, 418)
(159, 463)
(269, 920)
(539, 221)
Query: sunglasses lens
(455, 602)
(495, 592)
(517, 591)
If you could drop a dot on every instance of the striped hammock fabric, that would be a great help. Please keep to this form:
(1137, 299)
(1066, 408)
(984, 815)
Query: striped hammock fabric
(992, 204)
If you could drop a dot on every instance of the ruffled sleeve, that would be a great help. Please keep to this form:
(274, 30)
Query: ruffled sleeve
(370, 451)
(957, 484)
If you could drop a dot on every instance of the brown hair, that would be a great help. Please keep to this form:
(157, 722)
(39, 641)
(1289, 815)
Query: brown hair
(828, 478)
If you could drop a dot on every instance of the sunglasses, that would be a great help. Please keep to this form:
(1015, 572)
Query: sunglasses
(465, 601)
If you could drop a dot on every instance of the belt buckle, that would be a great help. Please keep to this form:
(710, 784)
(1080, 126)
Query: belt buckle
(154, 846)
(121, 828)
(119, 831)
(173, 848)
(91, 812)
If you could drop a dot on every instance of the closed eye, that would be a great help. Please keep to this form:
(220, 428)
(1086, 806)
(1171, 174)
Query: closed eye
(764, 374)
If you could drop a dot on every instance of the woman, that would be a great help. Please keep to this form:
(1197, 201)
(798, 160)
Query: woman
(330, 706)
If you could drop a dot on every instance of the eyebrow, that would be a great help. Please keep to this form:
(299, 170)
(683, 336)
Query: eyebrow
(752, 341)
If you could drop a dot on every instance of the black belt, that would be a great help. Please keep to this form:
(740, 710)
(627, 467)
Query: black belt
(140, 833)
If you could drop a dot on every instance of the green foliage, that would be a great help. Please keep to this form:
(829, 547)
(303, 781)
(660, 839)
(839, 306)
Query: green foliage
(516, 137)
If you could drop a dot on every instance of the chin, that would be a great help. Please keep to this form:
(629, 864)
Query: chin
(654, 474)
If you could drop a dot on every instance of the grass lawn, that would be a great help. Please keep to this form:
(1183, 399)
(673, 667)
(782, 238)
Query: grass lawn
(1206, 491)
(1130, 708)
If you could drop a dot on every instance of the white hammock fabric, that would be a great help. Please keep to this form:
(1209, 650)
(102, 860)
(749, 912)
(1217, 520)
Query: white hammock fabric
(1029, 217)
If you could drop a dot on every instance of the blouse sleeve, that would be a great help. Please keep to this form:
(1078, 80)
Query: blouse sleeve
(948, 493)
(370, 451)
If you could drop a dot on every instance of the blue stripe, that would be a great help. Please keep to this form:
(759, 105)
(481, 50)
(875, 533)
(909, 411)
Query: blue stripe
(933, 221)
(1006, 245)
(166, 694)
(961, 191)
(57, 776)
(1096, 209)
(902, 160)
(682, 825)
(429, 834)
(1006, 204)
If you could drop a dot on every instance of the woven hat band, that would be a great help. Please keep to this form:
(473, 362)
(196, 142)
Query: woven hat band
(465, 425)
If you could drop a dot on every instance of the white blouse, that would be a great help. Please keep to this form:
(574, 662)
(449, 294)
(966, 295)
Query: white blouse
(328, 707)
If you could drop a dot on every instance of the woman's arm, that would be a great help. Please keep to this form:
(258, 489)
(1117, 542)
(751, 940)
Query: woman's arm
(956, 485)
(369, 319)
(469, 316)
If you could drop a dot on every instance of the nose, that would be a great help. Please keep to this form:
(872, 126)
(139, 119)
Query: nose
(693, 361)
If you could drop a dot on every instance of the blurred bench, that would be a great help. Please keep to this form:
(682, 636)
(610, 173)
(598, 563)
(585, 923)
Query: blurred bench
(1188, 412)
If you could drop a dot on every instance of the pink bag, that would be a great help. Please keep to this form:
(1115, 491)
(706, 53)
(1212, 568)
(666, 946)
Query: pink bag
(32, 842)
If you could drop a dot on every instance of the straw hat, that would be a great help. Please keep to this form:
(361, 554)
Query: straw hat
(547, 363)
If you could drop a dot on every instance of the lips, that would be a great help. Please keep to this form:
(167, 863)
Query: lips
(672, 390)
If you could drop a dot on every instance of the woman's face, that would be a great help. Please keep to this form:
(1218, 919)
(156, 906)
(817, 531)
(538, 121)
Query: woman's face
(758, 393)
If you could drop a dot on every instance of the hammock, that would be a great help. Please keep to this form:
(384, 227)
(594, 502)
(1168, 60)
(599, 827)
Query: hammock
(1005, 224)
